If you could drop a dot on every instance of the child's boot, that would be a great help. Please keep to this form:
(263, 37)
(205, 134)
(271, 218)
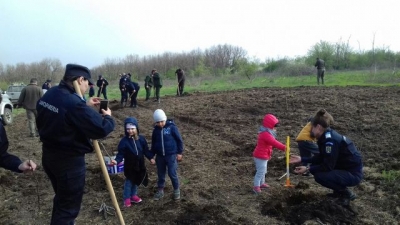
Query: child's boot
(159, 194)
(264, 185)
(127, 202)
(136, 199)
(177, 194)
(257, 190)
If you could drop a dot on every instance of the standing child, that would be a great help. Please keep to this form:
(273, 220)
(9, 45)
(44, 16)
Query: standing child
(263, 151)
(133, 147)
(167, 144)
(307, 144)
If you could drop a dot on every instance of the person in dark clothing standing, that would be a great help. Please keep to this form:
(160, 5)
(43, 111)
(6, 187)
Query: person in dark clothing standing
(67, 123)
(46, 85)
(320, 64)
(180, 76)
(133, 147)
(124, 94)
(157, 81)
(91, 91)
(338, 164)
(148, 84)
(9, 161)
(133, 89)
(102, 84)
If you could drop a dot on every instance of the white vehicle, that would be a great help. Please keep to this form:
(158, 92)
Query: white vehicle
(6, 108)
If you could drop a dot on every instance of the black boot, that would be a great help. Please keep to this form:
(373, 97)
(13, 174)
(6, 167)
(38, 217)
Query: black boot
(346, 196)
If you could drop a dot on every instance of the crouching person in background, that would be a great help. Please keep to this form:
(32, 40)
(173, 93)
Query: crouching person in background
(338, 164)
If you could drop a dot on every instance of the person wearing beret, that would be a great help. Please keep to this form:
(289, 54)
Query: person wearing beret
(67, 123)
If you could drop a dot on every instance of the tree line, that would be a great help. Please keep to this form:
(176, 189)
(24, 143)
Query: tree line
(219, 60)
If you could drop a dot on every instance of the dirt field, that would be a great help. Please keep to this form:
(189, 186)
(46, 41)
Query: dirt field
(220, 131)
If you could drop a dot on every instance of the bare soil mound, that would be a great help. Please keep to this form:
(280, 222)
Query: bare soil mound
(220, 132)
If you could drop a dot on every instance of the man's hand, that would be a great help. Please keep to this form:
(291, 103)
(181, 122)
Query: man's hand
(300, 169)
(106, 112)
(295, 159)
(27, 166)
(152, 161)
(93, 101)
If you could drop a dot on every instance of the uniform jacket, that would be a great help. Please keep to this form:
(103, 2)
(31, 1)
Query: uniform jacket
(320, 64)
(166, 140)
(266, 141)
(133, 151)
(132, 86)
(102, 82)
(305, 134)
(148, 81)
(7, 161)
(180, 74)
(157, 81)
(66, 124)
(46, 86)
(337, 152)
(29, 96)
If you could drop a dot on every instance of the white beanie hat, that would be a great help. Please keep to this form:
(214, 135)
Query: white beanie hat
(159, 115)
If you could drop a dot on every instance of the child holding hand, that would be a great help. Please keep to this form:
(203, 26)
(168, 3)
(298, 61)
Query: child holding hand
(133, 147)
(263, 151)
(167, 144)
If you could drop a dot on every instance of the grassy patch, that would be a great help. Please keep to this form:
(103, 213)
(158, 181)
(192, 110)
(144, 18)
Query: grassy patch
(391, 175)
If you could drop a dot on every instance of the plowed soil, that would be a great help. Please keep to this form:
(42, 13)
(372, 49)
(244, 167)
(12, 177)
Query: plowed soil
(220, 132)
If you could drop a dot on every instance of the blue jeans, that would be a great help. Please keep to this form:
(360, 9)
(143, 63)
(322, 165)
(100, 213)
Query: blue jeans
(338, 180)
(67, 176)
(261, 170)
(307, 149)
(167, 162)
(129, 189)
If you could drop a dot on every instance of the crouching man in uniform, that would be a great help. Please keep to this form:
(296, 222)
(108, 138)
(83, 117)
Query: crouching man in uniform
(66, 123)
(338, 164)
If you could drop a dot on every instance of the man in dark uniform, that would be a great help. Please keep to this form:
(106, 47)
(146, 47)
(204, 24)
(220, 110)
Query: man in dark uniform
(102, 84)
(338, 164)
(320, 64)
(133, 90)
(157, 81)
(123, 87)
(180, 75)
(67, 123)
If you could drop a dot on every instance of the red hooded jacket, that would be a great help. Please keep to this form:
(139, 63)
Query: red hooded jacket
(267, 141)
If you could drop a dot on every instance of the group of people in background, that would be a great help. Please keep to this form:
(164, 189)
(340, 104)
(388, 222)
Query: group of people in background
(67, 122)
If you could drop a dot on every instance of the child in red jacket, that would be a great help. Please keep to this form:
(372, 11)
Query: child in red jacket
(263, 151)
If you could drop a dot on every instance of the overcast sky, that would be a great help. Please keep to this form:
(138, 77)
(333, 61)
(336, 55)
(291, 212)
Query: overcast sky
(89, 31)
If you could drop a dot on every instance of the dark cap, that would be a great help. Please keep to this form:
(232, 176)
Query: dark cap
(75, 70)
(48, 81)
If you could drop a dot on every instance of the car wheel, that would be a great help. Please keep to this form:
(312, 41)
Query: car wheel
(7, 116)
